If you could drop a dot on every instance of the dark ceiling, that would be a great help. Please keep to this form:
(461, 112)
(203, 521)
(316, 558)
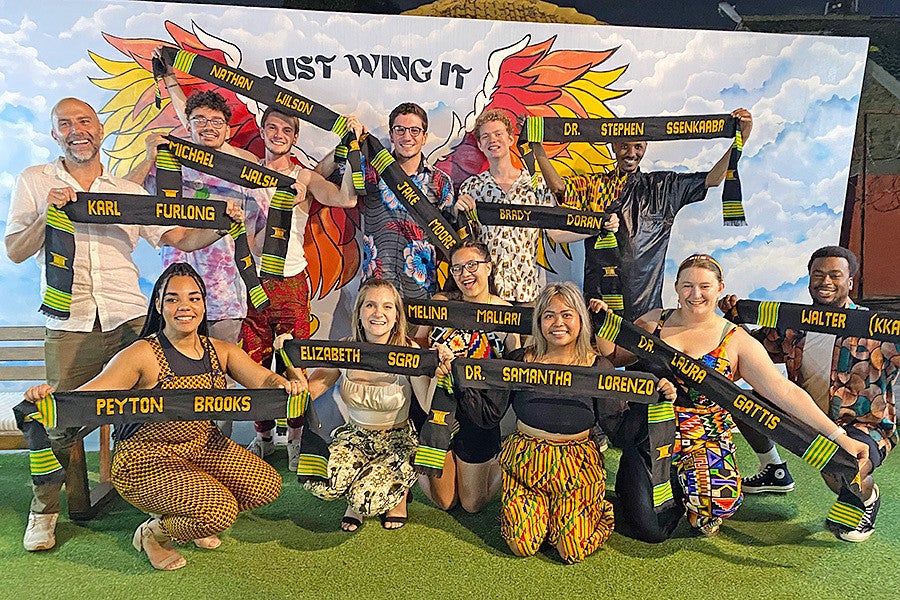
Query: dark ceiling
(697, 14)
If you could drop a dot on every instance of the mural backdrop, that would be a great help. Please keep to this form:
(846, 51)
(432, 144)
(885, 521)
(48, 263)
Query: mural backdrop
(803, 93)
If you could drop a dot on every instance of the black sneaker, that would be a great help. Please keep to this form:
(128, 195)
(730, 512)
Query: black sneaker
(600, 438)
(773, 478)
(866, 525)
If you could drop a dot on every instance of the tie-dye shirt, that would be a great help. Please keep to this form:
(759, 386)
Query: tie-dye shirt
(226, 295)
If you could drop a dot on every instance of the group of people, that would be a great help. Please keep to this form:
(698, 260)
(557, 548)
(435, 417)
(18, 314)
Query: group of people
(192, 479)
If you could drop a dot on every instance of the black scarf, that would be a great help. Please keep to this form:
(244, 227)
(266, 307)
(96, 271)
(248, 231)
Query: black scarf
(539, 217)
(555, 380)
(552, 380)
(240, 172)
(381, 358)
(120, 407)
(756, 411)
(560, 129)
(470, 315)
(264, 90)
(843, 322)
(117, 209)
(564, 129)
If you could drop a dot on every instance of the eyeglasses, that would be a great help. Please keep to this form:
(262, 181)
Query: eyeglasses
(470, 266)
(413, 131)
(217, 123)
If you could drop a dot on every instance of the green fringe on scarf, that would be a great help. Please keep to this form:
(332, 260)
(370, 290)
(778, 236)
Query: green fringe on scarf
(759, 413)
(565, 129)
(844, 322)
(59, 259)
(120, 407)
(264, 90)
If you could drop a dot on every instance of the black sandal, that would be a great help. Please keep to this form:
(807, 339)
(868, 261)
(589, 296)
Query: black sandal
(385, 519)
(348, 520)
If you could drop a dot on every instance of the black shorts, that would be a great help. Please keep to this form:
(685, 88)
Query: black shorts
(473, 444)
(416, 414)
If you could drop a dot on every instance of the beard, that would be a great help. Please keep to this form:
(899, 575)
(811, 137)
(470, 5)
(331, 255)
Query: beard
(81, 154)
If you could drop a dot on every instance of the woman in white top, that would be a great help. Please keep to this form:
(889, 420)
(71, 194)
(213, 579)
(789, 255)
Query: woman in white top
(371, 457)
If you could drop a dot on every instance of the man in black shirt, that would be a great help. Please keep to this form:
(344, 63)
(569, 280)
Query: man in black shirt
(647, 205)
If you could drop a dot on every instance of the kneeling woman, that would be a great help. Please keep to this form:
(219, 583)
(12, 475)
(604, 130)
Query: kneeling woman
(186, 472)
(710, 486)
(370, 459)
(553, 480)
(471, 472)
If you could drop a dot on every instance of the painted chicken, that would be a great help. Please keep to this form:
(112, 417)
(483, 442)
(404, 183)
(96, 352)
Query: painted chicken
(525, 79)
(330, 244)
(522, 79)
(532, 79)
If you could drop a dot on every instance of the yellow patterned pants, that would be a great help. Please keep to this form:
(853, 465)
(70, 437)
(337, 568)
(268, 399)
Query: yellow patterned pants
(553, 491)
(192, 475)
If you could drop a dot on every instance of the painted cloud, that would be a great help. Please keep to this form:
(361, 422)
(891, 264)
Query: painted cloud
(803, 92)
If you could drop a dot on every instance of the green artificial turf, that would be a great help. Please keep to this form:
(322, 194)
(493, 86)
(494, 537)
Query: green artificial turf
(776, 546)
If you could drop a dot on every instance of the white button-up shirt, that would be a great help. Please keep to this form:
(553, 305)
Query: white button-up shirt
(105, 281)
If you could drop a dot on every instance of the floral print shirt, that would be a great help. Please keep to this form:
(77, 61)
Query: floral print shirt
(863, 373)
(517, 275)
(395, 247)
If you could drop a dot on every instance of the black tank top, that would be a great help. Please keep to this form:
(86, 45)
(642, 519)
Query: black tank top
(560, 415)
(177, 371)
(181, 365)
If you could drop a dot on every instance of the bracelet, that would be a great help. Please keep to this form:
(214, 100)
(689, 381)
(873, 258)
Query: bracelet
(837, 433)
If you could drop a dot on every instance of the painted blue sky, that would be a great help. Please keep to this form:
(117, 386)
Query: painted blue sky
(803, 92)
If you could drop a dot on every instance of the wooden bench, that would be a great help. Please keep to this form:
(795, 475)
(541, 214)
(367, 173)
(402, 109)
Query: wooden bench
(26, 345)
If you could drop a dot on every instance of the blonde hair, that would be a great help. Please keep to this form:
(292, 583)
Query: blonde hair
(398, 332)
(571, 297)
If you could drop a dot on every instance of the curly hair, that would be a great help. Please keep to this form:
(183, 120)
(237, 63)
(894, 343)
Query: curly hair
(835, 252)
(211, 99)
(493, 114)
(409, 108)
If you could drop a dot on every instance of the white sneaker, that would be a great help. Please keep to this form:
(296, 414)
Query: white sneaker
(41, 531)
(261, 447)
(293, 448)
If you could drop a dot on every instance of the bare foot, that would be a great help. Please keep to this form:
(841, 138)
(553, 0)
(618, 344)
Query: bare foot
(150, 538)
(352, 521)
